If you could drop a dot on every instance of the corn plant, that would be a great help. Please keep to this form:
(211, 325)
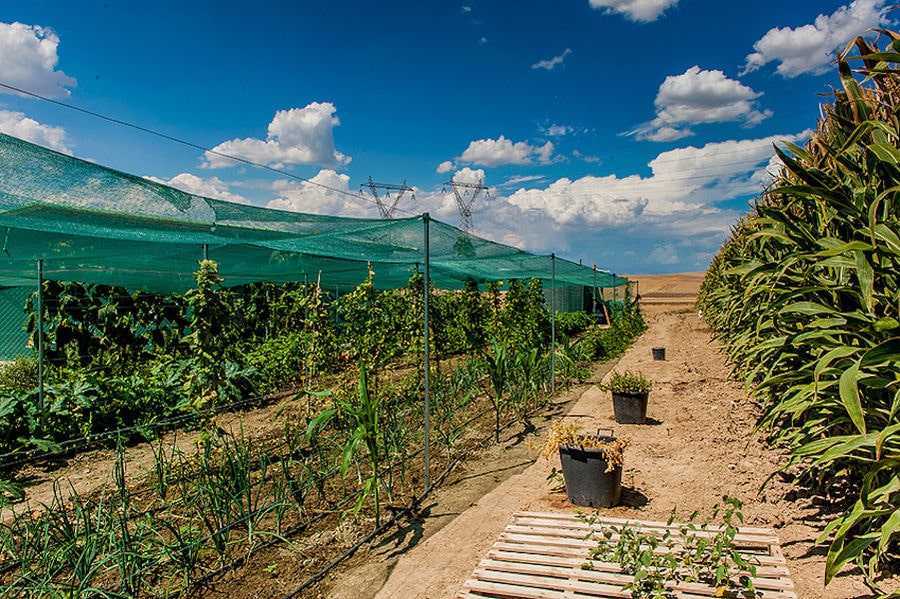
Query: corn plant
(804, 296)
(498, 364)
(364, 416)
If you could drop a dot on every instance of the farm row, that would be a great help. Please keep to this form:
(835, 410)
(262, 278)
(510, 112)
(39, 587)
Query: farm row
(805, 295)
(350, 442)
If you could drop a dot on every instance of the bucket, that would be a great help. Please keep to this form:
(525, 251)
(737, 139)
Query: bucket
(659, 353)
(587, 482)
(630, 408)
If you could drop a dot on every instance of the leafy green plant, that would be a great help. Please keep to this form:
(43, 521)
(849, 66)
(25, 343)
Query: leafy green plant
(626, 382)
(20, 375)
(498, 365)
(659, 560)
(364, 416)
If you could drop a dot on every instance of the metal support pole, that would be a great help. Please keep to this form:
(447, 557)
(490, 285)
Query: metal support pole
(40, 337)
(552, 324)
(425, 354)
(594, 293)
(206, 251)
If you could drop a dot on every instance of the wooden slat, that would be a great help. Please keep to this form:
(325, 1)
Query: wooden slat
(543, 556)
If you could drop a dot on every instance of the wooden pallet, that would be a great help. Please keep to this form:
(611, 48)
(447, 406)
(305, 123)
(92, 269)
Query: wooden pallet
(542, 556)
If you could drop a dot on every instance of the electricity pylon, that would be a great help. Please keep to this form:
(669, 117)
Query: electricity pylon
(387, 212)
(466, 194)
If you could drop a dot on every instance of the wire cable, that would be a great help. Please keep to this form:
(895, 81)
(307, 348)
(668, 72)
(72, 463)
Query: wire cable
(190, 144)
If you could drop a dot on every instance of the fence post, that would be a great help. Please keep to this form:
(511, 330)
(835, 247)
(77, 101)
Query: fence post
(426, 219)
(40, 337)
(552, 324)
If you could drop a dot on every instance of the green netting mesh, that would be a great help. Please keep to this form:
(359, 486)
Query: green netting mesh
(14, 339)
(96, 225)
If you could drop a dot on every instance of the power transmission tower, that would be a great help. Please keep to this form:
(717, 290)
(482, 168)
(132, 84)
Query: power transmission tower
(466, 194)
(387, 212)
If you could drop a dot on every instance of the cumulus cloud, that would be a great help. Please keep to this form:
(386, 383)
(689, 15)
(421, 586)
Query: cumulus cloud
(811, 48)
(445, 167)
(29, 60)
(700, 96)
(496, 152)
(551, 63)
(328, 193)
(212, 187)
(469, 175)
(19, 125)
(642, 11)
(295, 136)
(685, 179)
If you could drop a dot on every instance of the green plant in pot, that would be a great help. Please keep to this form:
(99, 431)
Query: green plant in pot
(630, 392)
(591, 464)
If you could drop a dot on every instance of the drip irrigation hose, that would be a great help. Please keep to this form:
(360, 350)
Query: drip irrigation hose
(35, 455)
(309, 484)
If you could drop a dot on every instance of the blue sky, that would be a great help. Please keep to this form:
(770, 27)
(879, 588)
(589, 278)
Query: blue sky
(627, 133)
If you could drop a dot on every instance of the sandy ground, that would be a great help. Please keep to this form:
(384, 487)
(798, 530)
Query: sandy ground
(696, 448)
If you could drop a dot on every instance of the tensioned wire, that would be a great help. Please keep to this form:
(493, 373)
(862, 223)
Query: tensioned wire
(190, 144)
(289, 175)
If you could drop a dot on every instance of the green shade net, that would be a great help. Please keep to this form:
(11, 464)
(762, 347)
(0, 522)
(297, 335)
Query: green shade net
(93, 224)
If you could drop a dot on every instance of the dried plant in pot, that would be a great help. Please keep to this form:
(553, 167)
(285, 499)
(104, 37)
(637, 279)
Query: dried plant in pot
(630, 393)
(591, 464)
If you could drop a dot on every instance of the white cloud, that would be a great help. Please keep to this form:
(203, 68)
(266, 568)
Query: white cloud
(19, 125)
(664, 254)
(635, 10)
(468, 175)
(552, 63)
(29, 60)
(683, 180)
(496, 152)
(700, 96)
(329, 193)
(811, 48)
(295, 136)
(586, 158)
(519, 179)
(445, 167)
(212, 187)
(557, 130)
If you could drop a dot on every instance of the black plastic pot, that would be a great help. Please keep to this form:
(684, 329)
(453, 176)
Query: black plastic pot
(659, 353)
(630, 408)
(587, 481)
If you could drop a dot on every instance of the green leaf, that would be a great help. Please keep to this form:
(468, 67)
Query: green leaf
(888, 351)
(839, 555)
(889, 529)
(849, 391)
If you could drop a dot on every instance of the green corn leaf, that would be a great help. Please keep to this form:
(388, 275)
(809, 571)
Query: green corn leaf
(832, 355)
(883, 353)
(889, 530)
(836, 250)
(883, 436)
(839, 555)
(866, 275)
(849, 391)
(887, 235)
(886, 324)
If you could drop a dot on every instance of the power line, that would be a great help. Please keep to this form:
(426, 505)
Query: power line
(182, 141)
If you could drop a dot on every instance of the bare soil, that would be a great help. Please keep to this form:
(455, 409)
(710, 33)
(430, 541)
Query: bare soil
(698, 445)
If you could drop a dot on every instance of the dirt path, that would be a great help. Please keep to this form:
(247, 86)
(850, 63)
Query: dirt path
(697, 448)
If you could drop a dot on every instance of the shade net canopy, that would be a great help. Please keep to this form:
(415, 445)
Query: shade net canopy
(93, 224)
